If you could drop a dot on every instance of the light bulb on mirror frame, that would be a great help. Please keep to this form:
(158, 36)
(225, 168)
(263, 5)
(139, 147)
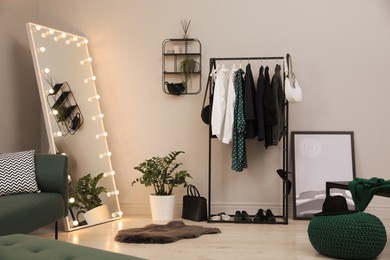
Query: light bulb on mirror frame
(41, 49)
(96, 97)
(73, 39)
(107, 154)
(104, 134)
(93, 78)
(57, 134)
(98, 116)
(86, 60)
(110, 173)
(81, 43)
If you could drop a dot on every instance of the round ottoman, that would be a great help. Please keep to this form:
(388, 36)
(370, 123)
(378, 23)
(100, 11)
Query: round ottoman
(348, 236)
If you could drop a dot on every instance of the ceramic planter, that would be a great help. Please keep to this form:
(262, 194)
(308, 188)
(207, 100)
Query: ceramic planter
(162, 207)
(97, 215)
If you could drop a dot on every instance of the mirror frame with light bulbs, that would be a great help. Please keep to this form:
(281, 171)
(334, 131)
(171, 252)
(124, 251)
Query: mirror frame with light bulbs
(61, 57)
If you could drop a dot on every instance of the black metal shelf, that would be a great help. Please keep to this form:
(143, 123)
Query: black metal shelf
(65, 109)
(189, 48)
(67, 113)
(61, 99)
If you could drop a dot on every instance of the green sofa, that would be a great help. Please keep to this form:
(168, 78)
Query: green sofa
(24, 213)
(20, 246)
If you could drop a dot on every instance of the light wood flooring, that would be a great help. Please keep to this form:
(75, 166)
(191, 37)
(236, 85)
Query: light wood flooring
(237, 241)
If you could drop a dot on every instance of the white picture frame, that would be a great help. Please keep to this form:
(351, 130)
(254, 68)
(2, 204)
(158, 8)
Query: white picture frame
(318, 157)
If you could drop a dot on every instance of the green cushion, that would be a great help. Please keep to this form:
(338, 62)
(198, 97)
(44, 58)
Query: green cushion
(52, 175)
(23, 213)
(348, 236)
(18, 246)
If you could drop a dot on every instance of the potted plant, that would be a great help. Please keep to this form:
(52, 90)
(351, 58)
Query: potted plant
(160, 172)
(86, 195)
(187, 67)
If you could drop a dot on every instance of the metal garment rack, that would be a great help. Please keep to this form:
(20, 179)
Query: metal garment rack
(280, 219)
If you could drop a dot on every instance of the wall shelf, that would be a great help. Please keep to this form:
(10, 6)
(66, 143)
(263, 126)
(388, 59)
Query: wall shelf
(64, 108)
(175, 54)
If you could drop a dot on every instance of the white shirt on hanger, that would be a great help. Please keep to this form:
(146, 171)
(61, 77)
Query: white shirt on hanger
(230, 102)
(219, 101)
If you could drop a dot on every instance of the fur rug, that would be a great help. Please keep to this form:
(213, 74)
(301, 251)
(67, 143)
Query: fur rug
(161, 234)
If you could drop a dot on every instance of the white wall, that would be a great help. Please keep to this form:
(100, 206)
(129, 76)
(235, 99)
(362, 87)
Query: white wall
(20, 111)
(341, 58)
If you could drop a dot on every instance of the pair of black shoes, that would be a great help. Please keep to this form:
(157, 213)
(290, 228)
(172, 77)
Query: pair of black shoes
(242, 216)
(264, 216)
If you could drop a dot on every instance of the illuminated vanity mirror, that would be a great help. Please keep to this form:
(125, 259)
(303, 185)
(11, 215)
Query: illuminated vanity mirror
(73, 119)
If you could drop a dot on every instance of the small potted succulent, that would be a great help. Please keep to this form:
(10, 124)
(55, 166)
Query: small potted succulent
(160, 172)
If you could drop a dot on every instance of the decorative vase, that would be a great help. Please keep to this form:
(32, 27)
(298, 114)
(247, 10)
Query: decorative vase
(97, 215)
(162, 207)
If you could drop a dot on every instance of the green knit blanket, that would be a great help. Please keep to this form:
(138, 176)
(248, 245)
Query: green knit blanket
(364, 189)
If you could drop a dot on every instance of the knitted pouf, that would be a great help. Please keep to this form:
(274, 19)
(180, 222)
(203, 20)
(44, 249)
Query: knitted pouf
(348, 236)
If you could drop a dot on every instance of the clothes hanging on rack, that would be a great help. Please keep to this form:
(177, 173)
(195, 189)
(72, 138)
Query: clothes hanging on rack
(279, 96)
(270, 117)
(219, 102)
(230, 103)
(263, 109)
(259, 105)
(249, 104)
(239, 162)
(264, 86)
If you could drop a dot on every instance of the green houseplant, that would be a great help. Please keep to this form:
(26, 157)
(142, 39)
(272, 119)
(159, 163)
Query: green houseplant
(187, 67)
(86, 194)
(160, 172)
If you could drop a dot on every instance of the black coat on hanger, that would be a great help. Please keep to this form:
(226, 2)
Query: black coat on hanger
(270, 114)
(249, 104)
(259, 105)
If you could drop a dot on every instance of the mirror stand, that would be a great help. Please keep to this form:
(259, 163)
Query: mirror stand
(73, 118)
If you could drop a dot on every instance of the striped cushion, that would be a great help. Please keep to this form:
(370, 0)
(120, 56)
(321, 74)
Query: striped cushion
(17, 173)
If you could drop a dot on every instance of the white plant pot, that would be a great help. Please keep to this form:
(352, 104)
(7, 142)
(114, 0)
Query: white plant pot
(97, 215)
(162, 207)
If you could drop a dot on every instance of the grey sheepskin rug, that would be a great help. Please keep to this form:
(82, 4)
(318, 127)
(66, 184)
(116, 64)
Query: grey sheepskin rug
(162, 234)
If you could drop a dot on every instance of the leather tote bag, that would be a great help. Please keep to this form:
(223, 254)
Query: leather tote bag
(291, 86)
(194, 205)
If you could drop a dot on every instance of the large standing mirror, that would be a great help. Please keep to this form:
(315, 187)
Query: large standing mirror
(319, 157)
(73, 118)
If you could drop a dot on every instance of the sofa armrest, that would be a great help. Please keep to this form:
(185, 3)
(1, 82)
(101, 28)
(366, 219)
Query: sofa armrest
(52, 174)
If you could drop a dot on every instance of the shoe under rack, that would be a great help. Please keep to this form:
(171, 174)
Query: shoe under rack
(261, 217)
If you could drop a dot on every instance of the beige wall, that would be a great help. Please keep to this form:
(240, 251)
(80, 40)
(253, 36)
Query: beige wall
(341, 58)
(20, 110)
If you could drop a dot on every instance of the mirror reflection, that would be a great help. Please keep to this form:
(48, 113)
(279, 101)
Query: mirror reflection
(74, 123)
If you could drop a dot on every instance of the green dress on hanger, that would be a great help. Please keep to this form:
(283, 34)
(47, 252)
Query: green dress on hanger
(239, 149)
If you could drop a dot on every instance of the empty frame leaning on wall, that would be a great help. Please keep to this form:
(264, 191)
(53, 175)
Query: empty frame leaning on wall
(318, 157)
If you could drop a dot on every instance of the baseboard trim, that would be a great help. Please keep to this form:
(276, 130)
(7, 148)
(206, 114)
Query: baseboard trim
(381, 211)
(144, 209)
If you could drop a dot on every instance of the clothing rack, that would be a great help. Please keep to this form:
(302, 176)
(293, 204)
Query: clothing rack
(280, 219)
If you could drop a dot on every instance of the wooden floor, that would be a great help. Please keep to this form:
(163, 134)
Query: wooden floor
(237, 241)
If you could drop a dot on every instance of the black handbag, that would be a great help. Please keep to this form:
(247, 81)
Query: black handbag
(175, 88)
(194, 206)
(206, 109)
